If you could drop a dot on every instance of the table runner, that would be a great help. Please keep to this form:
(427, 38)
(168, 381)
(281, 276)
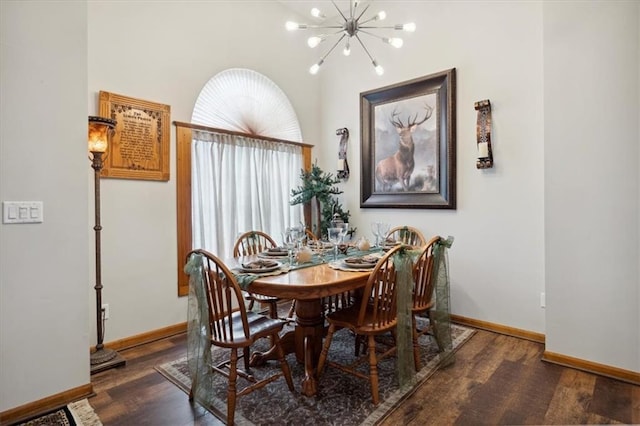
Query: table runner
(440, 315)
(198, 333)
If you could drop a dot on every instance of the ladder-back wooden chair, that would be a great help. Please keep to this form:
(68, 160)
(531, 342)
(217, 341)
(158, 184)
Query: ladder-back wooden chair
(375, 315)
(406, 235)
(232, 327)
(423, 292)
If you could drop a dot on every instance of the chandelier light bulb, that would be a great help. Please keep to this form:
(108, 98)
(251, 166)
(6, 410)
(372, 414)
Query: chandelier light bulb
(394, 41)
(410, 27)
(292, 26)
(347, 50)
(381, 15)
(314, 41)
(315, 67)
(315, 12)
(379, 69)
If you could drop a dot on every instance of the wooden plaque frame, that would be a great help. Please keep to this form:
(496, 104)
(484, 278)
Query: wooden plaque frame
(139, 148)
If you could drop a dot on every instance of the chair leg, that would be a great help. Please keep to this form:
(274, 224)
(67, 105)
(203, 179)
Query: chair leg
(284, 365)
(273, 309)
(360, 344)
(246, 356)
(430, 328)
(373, 370)
(231, 390)
(325, 349)
(251, 303)
(292, 309)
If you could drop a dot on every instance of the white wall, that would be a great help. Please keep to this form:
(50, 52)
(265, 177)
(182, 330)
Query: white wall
(497, 265)
(44, 273)
(591, 181)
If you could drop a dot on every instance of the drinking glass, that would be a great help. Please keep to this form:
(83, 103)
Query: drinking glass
(345, 228)
(375, 230)
(383, 230)
(298, 234)
(334, 234)
(289, 239)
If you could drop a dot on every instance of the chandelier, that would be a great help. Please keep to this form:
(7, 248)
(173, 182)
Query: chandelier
(350, 25)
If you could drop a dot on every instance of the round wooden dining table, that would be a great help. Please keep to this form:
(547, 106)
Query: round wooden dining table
(308, 286)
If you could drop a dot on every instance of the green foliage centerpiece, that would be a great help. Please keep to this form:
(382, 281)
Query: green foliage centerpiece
(319, 190)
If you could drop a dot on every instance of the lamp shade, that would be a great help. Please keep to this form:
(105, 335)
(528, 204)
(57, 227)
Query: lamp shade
(99, 128)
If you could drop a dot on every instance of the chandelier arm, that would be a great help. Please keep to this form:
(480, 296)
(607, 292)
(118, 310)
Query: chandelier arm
(371, 34)
(323, 37)
(339, 11)
(386, 27)
(332, 47)
(373, 18)
(316, 27)
(365, 49)
(336, 32)
(363, 11)
(347, 46)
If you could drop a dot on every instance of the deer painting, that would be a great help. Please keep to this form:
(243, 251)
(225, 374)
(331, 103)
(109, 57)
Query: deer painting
(399, 166)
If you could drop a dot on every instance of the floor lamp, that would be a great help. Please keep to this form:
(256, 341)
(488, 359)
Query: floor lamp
(99, 130)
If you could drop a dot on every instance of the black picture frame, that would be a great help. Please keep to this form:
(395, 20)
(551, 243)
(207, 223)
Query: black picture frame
(429, 144)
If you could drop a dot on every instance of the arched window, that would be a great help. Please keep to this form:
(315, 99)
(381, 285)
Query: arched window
(246, 101)
(236, 164)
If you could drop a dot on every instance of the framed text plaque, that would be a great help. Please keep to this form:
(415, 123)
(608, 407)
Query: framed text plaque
(139, 148)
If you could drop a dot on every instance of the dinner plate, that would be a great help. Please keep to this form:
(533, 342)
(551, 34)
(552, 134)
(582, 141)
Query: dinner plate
(268, 254)
(363, 262)
(388, 245)
(259, 266)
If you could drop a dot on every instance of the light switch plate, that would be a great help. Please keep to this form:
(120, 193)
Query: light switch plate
(22, 212)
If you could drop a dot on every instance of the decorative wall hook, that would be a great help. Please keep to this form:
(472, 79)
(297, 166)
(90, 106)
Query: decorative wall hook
(483, 135)
(343, 164)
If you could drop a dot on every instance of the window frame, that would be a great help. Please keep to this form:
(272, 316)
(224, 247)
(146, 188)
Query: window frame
(183, 189)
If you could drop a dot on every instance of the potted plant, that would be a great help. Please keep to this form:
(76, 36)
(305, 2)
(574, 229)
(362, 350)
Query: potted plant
(319, 190)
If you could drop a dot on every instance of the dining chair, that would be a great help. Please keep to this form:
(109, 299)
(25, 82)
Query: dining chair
(376, 314)
(232, 327)
(406, 235)
(310, 235)
(252, 243)
(423, 293)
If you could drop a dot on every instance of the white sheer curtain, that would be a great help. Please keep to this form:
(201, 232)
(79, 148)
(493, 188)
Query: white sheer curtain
(240, 184)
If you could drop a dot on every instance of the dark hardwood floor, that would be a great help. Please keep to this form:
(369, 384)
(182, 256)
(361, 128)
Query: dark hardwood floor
(496, 379)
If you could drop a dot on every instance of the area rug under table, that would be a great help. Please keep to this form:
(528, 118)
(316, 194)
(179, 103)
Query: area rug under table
(342, 399)
(79, 413)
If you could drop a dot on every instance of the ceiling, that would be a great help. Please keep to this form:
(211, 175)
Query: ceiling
(303, 8)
